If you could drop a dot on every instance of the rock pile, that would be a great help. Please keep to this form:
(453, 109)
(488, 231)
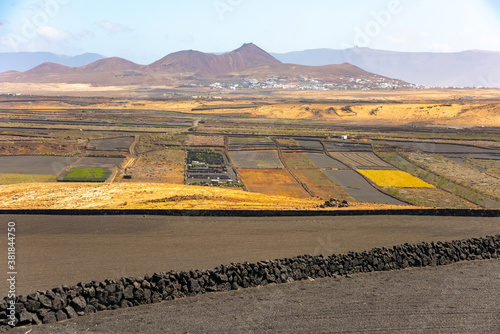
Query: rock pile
(334, 203)
(66, 302)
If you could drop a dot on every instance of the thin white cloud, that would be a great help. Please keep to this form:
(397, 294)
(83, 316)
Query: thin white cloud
(53, 33)
(395, 40)
(440, 47)
(113, 27)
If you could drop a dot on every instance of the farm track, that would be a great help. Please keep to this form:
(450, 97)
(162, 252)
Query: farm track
(280, 156)
(66, 170)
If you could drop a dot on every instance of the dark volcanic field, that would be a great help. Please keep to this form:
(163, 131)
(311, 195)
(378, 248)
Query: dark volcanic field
(458, 298)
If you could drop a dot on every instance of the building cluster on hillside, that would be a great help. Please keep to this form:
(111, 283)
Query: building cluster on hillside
(304, 83)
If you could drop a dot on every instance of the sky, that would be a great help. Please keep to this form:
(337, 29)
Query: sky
(145, 31)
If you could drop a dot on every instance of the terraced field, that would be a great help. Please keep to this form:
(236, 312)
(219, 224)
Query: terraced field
(361, 160)
(311, 145)
(311, 174)
(271, 182)
(256, 159)
(346, 146)
(111, 144)
(98, 162)
(323, 161)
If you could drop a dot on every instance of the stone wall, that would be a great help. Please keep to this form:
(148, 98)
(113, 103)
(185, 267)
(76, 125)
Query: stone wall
(66, 302)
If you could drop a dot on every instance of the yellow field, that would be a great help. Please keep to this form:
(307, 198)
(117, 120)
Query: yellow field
(7, 178)
(394, 178)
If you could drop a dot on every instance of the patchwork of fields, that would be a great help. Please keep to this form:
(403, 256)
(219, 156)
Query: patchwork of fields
(291, 166)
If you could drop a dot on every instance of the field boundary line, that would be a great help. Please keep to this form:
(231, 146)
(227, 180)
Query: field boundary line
(261, 213)
(280, 156)
(66, 170)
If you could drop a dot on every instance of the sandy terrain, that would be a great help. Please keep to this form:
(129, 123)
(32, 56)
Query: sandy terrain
(459, 298)
(468, 107)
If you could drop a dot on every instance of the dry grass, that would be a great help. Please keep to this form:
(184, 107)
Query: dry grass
(8, 178)
(151, 196)
(129, 196)
(462, 174)
(394, 178)
(159, 166)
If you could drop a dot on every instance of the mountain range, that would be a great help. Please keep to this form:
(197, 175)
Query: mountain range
(247, 62)
(23, 61)
(474, 68)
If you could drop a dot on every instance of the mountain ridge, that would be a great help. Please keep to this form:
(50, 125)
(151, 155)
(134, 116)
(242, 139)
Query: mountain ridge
(189, 66)
(470, 68)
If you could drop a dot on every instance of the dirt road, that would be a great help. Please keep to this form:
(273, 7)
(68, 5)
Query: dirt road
(55, 250)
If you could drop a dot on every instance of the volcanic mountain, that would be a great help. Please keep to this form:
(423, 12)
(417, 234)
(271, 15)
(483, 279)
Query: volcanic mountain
(247, 62)
(210, 65)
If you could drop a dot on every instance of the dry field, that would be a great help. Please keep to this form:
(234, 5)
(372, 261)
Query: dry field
(256, 159)
(317, 181)
(460, 173)
(431, 197)
(158, 166)
(141, 195)
(420, 106)
(271, 182)
(11, 178)
(46, 146)
(460, 193)
(193, 140)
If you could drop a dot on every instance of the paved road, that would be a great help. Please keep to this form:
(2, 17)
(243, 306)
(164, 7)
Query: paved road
(459, 298)
(55, 250)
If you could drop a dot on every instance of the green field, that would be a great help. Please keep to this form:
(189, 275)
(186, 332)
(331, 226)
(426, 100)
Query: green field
(8, 178)
(87, 175)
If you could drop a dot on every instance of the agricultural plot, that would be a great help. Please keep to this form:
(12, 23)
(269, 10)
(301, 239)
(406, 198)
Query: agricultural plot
(6, 178)
(477, 156)
(394, 178)
(354, 184)
(80, 174)
(166, 166)
(272, 182)
(431, 197)
(242, 143)
(98, 162)
(439, 148)
(361, 160)
(310, 145)
(321, 160)
(111, 144)
(36, 164)
(348, 147)
(256, 159)
(209, 167)
(462, 174)
(192, 140)
(308, 172)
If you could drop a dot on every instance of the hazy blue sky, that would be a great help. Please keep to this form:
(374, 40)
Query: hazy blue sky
(146, 30)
